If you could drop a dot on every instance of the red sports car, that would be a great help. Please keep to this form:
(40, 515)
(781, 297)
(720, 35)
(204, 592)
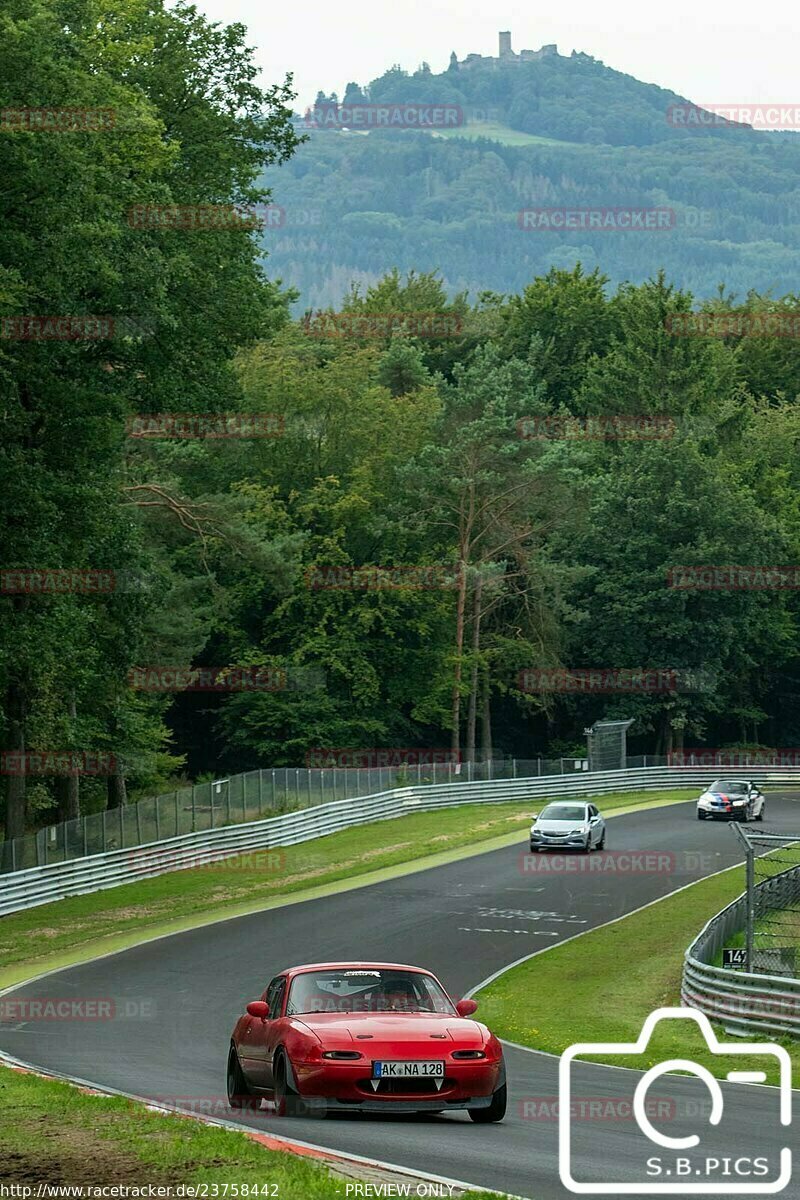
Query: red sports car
(364, 1037)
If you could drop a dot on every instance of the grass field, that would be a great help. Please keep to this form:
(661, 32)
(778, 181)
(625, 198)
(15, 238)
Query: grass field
(56, 1134)
(602, 985)
(499, 133)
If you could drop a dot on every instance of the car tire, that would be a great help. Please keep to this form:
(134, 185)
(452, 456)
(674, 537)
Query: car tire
(701, 816)
(601, 845)
(287, 1100)
(495, 1111)
(238, 1092)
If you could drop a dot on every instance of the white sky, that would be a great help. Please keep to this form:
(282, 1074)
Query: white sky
(736, 52)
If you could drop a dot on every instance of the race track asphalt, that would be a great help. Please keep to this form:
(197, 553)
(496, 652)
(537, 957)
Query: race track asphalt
(176, 1000)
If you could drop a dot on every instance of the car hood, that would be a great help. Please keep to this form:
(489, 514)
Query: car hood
(398, 1029)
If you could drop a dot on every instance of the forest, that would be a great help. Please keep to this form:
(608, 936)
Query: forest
(236, 529)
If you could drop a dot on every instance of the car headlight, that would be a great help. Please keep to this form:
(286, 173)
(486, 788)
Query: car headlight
(575, 832)
(535, 833)
(739, 803)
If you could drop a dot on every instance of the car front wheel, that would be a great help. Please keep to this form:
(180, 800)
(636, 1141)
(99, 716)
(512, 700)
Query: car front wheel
(287, 1100)
(495, 1111)
(239, 1094)
(701, 816)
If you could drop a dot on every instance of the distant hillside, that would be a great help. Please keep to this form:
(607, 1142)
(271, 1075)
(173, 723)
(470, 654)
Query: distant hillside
(546, 134)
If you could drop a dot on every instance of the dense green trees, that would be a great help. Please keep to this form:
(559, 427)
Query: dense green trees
(185, 124)
(430, 520)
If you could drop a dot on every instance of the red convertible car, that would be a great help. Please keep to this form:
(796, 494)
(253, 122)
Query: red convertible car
(364, 1037)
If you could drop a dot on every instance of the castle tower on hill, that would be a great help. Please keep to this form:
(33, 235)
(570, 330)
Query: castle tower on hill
(505, 56)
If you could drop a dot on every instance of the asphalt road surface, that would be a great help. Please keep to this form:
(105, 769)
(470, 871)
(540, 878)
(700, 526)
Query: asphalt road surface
(176, 1000)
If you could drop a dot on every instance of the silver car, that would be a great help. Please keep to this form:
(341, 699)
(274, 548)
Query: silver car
(570, 825)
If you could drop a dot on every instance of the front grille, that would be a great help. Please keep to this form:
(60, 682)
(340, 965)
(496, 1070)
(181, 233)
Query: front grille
(404, 1087)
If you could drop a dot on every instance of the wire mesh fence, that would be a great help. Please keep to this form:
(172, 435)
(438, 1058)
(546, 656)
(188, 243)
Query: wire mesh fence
(252, 795)
(772, 929)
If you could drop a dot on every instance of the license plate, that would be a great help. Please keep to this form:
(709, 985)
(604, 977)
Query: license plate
(416, 1069)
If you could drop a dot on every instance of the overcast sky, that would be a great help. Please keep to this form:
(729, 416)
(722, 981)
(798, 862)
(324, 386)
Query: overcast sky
(714, 53)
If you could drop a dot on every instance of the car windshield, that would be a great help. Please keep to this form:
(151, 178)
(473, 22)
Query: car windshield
(563, 812)
(737, 786)
(366, 989)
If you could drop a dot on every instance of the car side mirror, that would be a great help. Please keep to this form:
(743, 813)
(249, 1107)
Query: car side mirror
(258, 1009)
(465, 1008)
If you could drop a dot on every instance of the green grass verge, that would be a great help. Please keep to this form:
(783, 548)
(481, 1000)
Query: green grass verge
(603, 984)
(499, 133)
(54, 1133)
(81, 927)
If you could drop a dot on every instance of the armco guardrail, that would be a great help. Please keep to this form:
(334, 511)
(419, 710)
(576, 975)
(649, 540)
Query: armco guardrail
(40, 885)
(254, 796)
(744, 1002)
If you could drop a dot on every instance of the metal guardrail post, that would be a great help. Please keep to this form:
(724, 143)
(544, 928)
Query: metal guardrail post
(750, 892)
(750, 915)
